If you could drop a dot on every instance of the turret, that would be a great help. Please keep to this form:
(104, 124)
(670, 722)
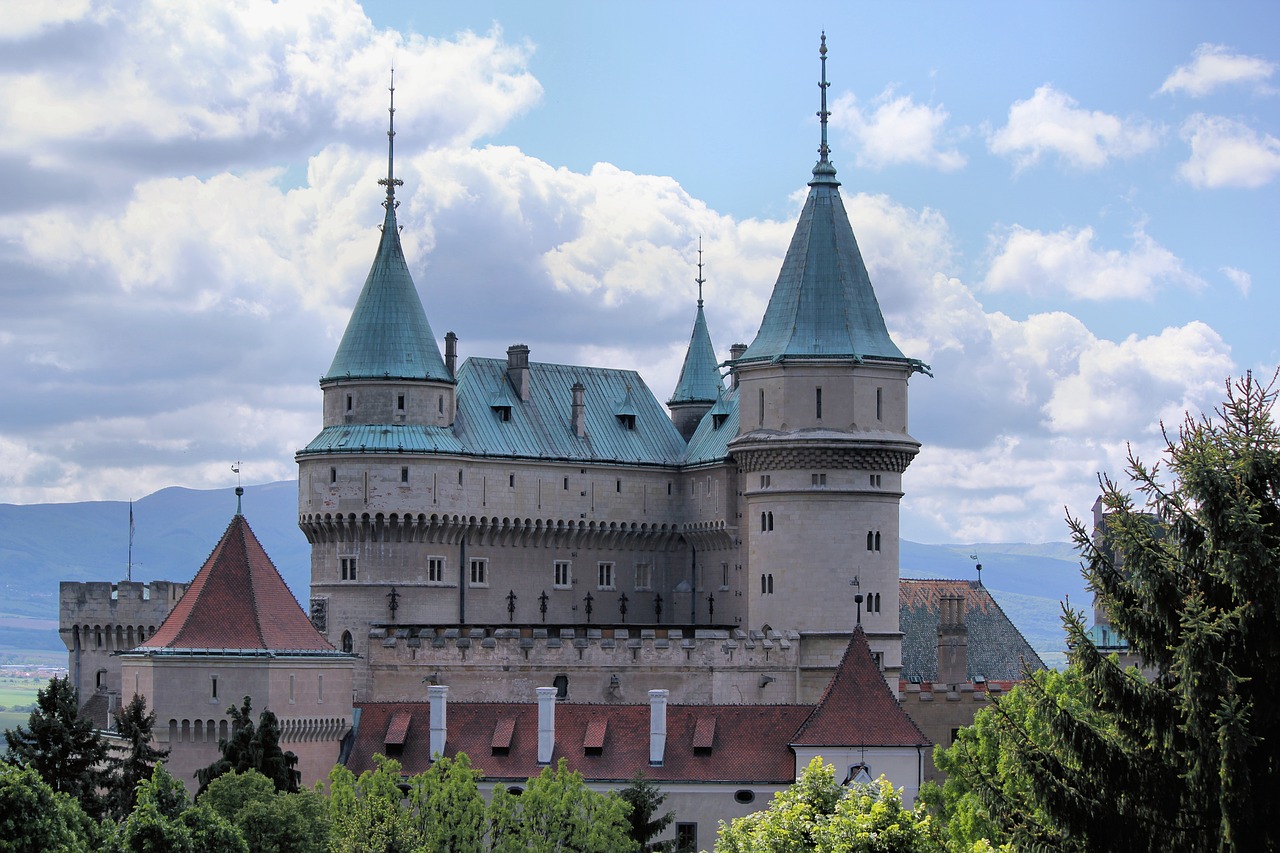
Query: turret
(700, 384)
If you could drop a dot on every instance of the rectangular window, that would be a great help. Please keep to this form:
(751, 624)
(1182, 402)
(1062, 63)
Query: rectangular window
(459, 476)
(761, 407)
(291, 696)
(435, 569)
(566, 483)
(819, 402)
(333, 475)
(604, 575)
(617, 486)
(563, 574)
(511, 481)
(724, 575)
(213, 688)
(879, 404)
(400, 402)
(320, 688)
(686, 838)
(644, 576)
(479, 572)
(819, 479)
(348, 402)
(348, 566)
(404, 475)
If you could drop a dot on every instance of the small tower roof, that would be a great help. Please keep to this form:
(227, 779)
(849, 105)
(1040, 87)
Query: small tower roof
(237, 601)
(700, 380)
(388, 336)
(823, 305)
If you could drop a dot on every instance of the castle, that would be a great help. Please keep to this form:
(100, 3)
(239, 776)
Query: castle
(486, 532)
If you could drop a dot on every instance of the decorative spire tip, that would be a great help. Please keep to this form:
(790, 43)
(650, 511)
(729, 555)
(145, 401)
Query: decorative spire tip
(391, 181)
(701, 281)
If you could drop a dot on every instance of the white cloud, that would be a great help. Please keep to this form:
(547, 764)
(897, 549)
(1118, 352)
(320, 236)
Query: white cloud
(896, 131)
(1227, 153)
(1214, 65)
(1241, 279)
(24, 20)
(1067, 262)
(1051, 122)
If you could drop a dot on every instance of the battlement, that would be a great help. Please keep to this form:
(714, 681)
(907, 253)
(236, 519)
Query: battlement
(87, 595)
(923, 692)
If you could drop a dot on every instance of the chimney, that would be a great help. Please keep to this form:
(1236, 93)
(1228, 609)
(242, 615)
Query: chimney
(546, 723)
(578, 417)
(451, 354)
(735, 352)
(953, 641)
(657, 726)
(438, 695)
(518, 369)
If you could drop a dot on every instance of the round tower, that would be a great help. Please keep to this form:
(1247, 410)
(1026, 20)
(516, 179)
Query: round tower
(822, 438)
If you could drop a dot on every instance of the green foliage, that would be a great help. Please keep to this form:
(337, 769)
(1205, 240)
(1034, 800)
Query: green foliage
(270, 821)
(35, 818)
(1190, 575)
(448, 809)
(557, 812)
(165, 820)
(62, 747)
(820, 815)
(366, 813)
(133, 726)
(253, 747)
(645, 799)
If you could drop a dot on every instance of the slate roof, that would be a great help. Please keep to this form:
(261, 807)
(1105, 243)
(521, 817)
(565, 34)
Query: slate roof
(823, 305)
(237, 602)
(710, 442)
(700, 380)
(705, 743)
(388, 335)
(857, 708)
(540, 427)
(996, 649)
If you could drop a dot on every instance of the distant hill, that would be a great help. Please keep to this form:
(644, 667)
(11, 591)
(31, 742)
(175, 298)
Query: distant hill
(175, 529)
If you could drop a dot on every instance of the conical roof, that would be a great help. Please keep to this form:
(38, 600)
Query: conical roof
(388, 336)
(700, 380)
(237, 601)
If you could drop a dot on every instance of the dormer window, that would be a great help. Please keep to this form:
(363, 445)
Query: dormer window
(717, 420)
(628, 421)
(503, 413)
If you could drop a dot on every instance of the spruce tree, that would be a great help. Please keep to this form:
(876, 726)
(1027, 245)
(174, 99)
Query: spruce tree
(133, 727)
(62, 747)
(253, 747)
(645, 799)
(1189, 571)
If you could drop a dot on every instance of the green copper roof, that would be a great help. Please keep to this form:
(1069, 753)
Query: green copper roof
(700, 380)
(388, 335)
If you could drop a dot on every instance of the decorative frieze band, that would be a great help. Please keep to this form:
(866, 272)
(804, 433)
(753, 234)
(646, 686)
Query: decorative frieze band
(802, 458)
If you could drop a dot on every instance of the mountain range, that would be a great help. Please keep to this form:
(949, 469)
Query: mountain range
(175, 529)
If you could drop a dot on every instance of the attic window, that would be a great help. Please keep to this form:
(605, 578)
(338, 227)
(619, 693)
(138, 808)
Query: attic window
(593, 740)
(503, 413)
(398, 730)
(503, 731)
(627, 420)
(704, 735)
(717, 420)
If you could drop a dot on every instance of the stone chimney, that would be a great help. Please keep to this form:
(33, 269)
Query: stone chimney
(735, 353)
(578, 416)
(451, 354)
(518, 369)
(438, 695)
(546, 724)
(657, 726)
(953, 641)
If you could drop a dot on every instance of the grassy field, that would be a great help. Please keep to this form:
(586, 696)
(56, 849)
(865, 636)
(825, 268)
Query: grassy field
(19, 692)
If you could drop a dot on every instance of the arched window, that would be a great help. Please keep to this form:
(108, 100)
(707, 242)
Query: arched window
(871, 541)
(763, 523)
(877, 602)
(561, 684)
(771, 584)
(348, 645)
(764, 589)
(771, 521)
(877, 540)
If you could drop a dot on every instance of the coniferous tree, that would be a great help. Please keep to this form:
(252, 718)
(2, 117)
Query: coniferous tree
(253, 747)
(133, 727)
(62, 747)
(1188, 760)
(645, 799)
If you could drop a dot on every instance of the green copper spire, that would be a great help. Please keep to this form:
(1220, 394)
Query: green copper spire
(388, 336)
(700, 376)
(823, 305)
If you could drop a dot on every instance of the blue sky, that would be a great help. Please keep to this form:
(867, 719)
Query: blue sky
(1068, 210)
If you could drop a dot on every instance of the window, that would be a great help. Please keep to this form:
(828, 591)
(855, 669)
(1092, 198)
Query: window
(766, 584)
(348, 402)
(877, 540)
(873, 540)
(604, 575)
(333, 475)
(761, 407)
(404, 475)
(644, 576)
(875, 481)
(686, 838)
(435, 569)
(213, 688)
(348, 566)
(561, 684)
(818, 400)
(617, 486)
(291, 694)
(744, 796)
(819, 479)
(459, 476)
(874, 603)
(766, 480)
(400, 402)
(348, 644)
(480, 572)
(511, 480)
(319, 688)
(563, 574)
(440, 404)
(724, 575)
(566, 483)
(668, 488)
(879, 404)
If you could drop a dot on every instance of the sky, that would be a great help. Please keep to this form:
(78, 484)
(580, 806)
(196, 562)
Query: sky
(1068, 210)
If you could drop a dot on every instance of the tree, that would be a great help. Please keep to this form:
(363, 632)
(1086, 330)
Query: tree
(557, 812)
(448, 808)
(164, 821)
(645, 799)
(270, 821)
(133, 726)
(1190, 575)
(819, 814)
(34, 817)
(253, 747)
(62, 747)
(367, 813)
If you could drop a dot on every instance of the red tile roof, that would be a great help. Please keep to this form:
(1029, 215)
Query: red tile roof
(238, 601)
(398, 728)
(750, 744)
(857, 708)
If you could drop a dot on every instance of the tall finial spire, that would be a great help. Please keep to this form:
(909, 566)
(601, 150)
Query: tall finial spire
(391, 181)
(701, 281)
(824, 114)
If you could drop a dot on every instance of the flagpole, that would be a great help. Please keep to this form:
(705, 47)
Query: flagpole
(130, 540)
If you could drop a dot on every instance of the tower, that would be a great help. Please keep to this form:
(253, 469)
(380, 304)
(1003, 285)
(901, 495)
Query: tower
(700, 385)
(822, 437)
